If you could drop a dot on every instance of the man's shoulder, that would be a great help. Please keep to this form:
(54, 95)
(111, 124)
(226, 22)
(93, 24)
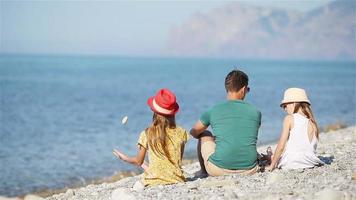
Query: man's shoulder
(228, 104)
(241, 107)
(218, 105)
(251, 107)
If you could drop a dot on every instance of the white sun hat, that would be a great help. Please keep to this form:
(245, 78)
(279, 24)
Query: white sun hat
(295, 95)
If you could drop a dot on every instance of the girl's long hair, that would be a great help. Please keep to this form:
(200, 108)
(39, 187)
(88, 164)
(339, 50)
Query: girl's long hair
(305, 108)
(157, 134)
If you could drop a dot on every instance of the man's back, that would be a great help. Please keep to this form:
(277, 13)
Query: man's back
(235, 125)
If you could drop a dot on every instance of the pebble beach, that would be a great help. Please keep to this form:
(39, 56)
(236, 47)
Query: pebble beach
(333, 181)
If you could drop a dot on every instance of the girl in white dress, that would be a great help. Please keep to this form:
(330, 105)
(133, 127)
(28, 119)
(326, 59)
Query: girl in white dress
(297, 145)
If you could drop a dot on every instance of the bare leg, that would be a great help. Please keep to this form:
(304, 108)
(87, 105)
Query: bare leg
(205, 136)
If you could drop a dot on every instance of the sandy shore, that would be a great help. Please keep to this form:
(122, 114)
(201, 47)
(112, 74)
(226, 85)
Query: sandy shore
(335, 180)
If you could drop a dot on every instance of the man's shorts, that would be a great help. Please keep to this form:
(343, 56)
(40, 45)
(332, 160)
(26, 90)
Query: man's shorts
(207, 149)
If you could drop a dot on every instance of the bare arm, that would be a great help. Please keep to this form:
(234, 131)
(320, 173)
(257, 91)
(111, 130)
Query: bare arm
(197, 129)
(282, 142)
(136, 160)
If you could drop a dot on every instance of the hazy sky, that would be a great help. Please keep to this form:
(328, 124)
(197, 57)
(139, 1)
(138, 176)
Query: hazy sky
(109, 27)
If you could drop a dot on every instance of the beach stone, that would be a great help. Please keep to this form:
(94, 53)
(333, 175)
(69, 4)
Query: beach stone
(230, 194)
(33, 197)
(138, 186)
(347, 196)
(329, 194)
(159, 195)
(353, 176)
(70, 192)
(271, 197)
(95, 193)
(218, 183)
(214, 197)
(120, 194)
(191, 185)
(274, 178)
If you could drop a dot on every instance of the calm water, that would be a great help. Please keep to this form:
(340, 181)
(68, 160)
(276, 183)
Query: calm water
(60, 117)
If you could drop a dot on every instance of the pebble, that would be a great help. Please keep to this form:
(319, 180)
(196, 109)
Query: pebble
(329, 194)
(70, 192)
(121, 193)
(347, 196)
(230, 194)
(138, 186)
(218, 183)
(274, 178)
(353, 176)
(95, 193)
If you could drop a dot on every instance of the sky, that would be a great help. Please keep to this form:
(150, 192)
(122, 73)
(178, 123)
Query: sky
(135, 28)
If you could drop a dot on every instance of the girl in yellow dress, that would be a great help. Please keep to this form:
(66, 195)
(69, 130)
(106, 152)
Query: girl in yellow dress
(163, 140)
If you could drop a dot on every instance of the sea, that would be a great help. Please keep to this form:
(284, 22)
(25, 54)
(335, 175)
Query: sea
(60, 116)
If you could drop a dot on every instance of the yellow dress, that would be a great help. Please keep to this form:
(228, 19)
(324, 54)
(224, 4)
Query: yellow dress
(160, 169)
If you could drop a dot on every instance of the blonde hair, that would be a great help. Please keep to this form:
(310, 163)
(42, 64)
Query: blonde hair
(157, 134)
(305, 108)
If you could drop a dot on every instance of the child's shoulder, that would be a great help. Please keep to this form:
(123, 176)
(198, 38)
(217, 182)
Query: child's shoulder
(288, 121)
(180, 129)
(181, 133)
(289, 117)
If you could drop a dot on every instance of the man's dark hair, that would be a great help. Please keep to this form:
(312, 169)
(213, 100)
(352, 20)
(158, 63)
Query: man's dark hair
(235, 80)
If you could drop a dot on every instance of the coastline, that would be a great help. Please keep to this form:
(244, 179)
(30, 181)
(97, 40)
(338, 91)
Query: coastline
(110, 179)
(335, 179)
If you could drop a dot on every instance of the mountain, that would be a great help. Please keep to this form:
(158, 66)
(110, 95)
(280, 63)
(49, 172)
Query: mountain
(243, 31)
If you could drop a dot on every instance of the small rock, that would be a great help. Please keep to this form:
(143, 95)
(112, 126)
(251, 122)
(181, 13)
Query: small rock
(272, 197)
(138, 186)
(230, 194)
(70, 192)
(353, 176)
(218, 183)
(301, 170)
(192, 186)
(214, 197)
(329, 194)
(33, 197)
(121, 193)
(347, 196)
(274, 178)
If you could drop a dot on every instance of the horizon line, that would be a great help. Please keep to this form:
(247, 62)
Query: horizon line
(177, 57)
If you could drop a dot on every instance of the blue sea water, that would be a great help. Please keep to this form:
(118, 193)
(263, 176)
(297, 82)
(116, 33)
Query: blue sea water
(60, 116)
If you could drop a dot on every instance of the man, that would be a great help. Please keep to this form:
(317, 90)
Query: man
(231, 147)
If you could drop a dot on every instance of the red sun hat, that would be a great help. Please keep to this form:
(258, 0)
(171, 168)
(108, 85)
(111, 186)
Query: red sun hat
(164, 103)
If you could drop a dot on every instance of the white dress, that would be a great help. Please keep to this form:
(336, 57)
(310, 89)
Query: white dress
(299, 151)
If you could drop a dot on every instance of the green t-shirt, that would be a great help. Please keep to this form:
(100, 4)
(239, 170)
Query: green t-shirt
(235, 126)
